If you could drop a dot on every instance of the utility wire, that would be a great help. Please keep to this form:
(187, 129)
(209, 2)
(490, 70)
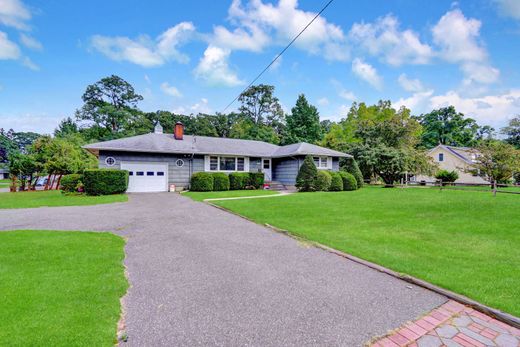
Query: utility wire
(279, 54)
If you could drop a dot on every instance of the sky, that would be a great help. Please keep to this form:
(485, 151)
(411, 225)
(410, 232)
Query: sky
(197, 56)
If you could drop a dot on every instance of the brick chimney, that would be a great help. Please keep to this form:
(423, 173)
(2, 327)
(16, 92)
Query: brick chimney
(178, 131)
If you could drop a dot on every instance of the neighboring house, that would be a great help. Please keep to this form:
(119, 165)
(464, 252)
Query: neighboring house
(460, 159)
(4, 173)
(156, 161)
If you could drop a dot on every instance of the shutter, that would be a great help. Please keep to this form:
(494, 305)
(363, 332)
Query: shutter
(246, 164)
(206, 163)
(329, 163)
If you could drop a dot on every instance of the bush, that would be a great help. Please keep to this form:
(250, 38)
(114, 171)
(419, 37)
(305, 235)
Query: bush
(336, 183)
(220, 181)
(447, 176)
(323, 181)
(306, 179)
(201, 182)
(71, 183)
(256, 179)
(105, 181)
(349, 181)
(350, 165)
(238, 180)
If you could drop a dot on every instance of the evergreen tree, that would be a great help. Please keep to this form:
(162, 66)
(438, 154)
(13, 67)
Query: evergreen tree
(350, 165)
(303, 124)
(307, 176)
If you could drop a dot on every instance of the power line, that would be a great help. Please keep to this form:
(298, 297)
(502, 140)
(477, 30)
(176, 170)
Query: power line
(279, 54)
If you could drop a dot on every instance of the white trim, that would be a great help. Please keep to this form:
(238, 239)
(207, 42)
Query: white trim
(207, 161)
(165, 164)
(322, 158)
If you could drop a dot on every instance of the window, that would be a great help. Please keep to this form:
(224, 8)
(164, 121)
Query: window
(130, 173)
(213, 163)
(321, 162)
(160, 173)
(139, 173)
(179, 163)
(110, 161)
(149, 173)
(267, 163)
(441, 156)
(240, 164)
(227, 163)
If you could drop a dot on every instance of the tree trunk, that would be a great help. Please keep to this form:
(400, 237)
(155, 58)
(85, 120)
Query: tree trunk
(52, 183)
(12, 187)
(47, 183)
(494, 187)
(58, 183)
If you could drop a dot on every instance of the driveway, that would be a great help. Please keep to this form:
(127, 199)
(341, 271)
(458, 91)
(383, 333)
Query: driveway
(202, 276)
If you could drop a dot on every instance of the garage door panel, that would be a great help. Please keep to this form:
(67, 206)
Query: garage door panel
(146, 177)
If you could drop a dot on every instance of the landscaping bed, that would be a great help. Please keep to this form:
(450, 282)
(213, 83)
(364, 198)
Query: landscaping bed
(464, 241)
(60, 288)
(54, 198)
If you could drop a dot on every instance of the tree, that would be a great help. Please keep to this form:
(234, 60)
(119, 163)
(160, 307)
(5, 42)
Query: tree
(261, 106)
(446, 176)
(448, 127)
(22, 166)
(109, 103)
(512, 131)
(303, 124)
(350, 165)
(307, 176)
(66, 127)
(497, 161)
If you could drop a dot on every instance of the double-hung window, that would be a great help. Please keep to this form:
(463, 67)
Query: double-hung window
(224, 163)
(321, 162)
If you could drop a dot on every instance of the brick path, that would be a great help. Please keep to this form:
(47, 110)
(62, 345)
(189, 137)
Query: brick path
(452, 325)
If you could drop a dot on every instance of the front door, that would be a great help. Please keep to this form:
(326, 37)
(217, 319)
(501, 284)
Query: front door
(267, 170)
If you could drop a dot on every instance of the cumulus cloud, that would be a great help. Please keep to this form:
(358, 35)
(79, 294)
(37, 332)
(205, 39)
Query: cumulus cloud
(198, 107)
(30, 42)
(346, 94)
(145, 51)
(8, 49)
(410, 85)
(367, 73)
(384, 38)
(323, 101)
(13, 13)
(251, 38)
(214, 68)
(170, 90)
(509, 8)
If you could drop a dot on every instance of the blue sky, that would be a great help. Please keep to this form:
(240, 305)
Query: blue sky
(190, 57)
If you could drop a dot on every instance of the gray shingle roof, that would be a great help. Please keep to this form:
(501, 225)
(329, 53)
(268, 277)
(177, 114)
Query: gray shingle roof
(166, 143)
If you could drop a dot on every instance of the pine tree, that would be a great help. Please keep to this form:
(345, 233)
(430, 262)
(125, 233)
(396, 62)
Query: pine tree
(306, 179)
(350, 165)
(303, 124)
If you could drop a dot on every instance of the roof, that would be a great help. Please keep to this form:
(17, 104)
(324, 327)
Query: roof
(166, 143)
(464, 153)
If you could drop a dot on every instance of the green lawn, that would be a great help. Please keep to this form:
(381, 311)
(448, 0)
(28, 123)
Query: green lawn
(60, 288)
(468, 242)
(4, 183)
(54, 198)
(199, 196)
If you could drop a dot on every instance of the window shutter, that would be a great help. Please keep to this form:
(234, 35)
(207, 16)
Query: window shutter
(329, 163)
(246, 164)
(206, 163)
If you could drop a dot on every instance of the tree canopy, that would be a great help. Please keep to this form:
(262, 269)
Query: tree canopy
(512, 132)
(303, 124)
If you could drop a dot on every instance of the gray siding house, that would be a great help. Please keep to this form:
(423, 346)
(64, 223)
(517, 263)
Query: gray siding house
(161, 162)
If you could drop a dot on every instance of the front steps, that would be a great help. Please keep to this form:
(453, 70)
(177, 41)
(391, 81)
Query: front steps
(275, 185)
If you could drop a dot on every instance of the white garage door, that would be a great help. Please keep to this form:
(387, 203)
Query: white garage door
(146, 177)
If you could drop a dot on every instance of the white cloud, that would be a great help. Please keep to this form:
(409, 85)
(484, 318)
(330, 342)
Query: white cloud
(509, 8)
(27, 62)
(201, 107)
(323, 101)
(30, 42)
(346, 94)
(383, 38)
(14, 13)
(170, 90)
(410, 85)
(147, 79)
(42, 123)
(8, 49)
(417, 102)
(214, 69)
(248, 39)
(367, 73)
(143, 50)
(459, 40)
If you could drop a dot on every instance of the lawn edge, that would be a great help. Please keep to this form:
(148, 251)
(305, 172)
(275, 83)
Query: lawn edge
(493, 312)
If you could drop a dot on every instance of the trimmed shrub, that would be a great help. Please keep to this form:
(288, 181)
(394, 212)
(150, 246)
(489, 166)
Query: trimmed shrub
(349, 181)
(323, 181)
(306, 179)
(350, 165)
(238, 180)
(71, 183)
(336, 183)
(105, 181)
(201, 182)
(447, 176)
(220, 181)
(256, 179)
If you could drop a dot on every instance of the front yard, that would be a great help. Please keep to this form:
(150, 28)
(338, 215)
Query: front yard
(54, 198)
(60, 288)
(200, 196)
(464, 241)
(4, 183)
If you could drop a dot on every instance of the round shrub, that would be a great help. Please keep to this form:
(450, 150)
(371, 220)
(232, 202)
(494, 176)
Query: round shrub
(71, 183)
(220, 181)
(105, 181)
(447, 176)
(323, 181)
(256, 179)
(306, 179)
(201, 182)
(238, 180)
(336, 183)
(349, 181)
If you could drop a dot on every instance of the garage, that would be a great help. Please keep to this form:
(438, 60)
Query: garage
(146, 177)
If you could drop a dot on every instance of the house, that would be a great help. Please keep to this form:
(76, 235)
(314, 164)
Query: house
(4, 173)
(460, 159)
(157, 161)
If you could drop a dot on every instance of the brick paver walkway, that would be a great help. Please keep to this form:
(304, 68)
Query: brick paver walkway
(452, 325)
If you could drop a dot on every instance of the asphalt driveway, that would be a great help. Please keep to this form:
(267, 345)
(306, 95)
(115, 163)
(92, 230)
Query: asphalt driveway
(202, 276)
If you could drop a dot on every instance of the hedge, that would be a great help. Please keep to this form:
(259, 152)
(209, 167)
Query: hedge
(256, 180)
(447, 176)
(349, 181)
(336, 183)
(238, 180)
(105, 181)
(220, 181)
(202, 182)
(71, 183)
(323, 181)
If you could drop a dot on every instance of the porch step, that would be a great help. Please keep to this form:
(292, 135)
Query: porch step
(275, 185)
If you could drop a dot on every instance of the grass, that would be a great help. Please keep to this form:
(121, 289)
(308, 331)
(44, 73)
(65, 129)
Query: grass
(4, 183)
(54, 198)
(464, 241)
(199, 196)
(60, 288)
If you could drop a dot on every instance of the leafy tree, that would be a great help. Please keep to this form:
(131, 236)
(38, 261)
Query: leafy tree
(306, 179)
(512, 131)
(66, 127)
(260, 105)
(447, 176)
(109, 103)
(303, 124)
(326, 125)
(22, 166)
(497, 161)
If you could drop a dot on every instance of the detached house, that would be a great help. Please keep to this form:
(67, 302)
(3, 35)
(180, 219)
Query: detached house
(156, 161)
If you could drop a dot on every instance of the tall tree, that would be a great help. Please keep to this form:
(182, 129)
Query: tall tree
(109, 103)
(303, 124)
(66, 127)
(497, 161)
(512, 131)
(261, 106)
